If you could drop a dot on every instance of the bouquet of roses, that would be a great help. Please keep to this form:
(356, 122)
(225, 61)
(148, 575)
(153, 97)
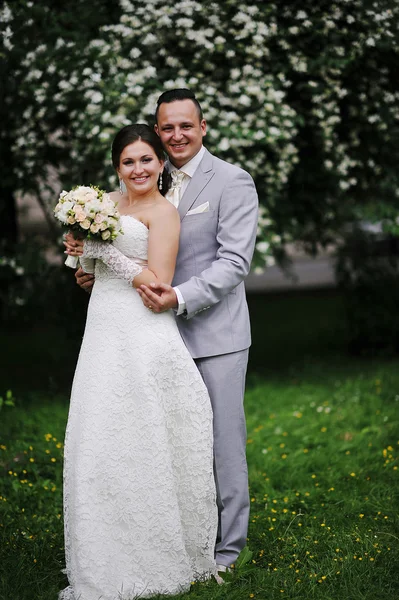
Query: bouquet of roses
(89, 213)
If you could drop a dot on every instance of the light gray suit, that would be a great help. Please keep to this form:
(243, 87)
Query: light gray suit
(214, 257)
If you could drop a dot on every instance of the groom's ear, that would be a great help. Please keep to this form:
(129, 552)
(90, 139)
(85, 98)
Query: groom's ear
(156, 129)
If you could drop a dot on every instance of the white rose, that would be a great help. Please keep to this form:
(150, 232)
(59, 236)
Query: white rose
(93, 205)
(62, 214)
(105, 235)
(94, 228)
(85, 224)
(84, 194)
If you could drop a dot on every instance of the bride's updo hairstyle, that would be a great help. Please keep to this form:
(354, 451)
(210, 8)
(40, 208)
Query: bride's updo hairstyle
(139, 132)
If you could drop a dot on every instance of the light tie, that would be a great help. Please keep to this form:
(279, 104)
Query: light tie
(173, 194)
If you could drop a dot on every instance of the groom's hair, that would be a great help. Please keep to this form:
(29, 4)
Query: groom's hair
(178, 94)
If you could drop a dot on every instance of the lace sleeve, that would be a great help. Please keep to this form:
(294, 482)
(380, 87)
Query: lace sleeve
(87, 264)
(123, 266)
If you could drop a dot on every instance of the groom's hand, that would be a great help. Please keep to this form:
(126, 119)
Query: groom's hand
(84, 280)
(158, 297)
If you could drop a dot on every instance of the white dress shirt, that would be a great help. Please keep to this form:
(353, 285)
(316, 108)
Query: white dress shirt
(188, 169)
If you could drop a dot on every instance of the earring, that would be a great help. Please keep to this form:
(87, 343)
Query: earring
(120, 187)
(160, 181)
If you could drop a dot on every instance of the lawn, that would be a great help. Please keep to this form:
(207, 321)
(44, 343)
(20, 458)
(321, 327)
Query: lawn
(323, 445)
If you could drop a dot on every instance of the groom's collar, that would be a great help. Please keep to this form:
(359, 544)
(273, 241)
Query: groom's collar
(192, 165)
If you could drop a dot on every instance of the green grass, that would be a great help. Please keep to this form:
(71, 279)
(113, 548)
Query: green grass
(323, 446)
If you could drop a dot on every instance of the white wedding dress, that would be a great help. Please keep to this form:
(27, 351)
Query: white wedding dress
(139, 495)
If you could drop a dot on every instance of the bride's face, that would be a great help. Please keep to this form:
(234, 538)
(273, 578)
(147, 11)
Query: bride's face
(139, 167)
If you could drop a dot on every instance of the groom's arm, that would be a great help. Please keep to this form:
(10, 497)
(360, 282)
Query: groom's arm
(236, 235)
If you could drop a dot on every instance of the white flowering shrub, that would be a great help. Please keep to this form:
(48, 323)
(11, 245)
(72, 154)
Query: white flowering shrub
(305, 99)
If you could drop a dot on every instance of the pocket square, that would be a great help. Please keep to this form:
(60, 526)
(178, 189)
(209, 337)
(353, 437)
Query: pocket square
(199, 209)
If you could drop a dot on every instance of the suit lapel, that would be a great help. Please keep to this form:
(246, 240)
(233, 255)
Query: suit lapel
(201, 178)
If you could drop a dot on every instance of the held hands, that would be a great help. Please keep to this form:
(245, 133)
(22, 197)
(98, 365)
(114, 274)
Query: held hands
(158, 297)
(73, 246)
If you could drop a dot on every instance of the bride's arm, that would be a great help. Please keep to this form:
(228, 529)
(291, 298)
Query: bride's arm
(163, 243)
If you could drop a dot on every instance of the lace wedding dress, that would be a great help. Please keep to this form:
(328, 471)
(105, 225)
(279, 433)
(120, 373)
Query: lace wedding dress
(139, 498)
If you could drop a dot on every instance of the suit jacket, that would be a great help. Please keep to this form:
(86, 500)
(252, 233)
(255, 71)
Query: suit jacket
(215, 253)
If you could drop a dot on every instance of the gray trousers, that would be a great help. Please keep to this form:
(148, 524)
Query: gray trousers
(224, 376)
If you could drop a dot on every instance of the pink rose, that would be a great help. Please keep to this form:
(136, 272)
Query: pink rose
(99, 218)
(80, 215)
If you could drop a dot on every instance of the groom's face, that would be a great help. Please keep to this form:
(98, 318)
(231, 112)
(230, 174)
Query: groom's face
(181, 130)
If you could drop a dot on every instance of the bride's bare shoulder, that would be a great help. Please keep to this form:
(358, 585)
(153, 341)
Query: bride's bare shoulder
(165, 211)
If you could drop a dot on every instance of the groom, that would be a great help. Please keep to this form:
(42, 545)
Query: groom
(218, 207)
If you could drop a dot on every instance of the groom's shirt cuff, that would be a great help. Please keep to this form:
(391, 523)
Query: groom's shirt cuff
(181, 308)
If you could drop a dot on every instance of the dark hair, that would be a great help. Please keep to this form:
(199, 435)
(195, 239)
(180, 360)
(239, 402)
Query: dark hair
(178, 94)
(139, 132)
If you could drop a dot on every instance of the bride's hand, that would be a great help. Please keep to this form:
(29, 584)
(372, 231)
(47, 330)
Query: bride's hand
(73, 246)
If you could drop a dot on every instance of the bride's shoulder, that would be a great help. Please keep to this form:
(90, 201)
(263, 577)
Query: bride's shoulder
(165, 207)
(164, 212)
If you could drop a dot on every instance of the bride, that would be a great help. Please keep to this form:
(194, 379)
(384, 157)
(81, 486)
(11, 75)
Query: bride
(140, 512)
